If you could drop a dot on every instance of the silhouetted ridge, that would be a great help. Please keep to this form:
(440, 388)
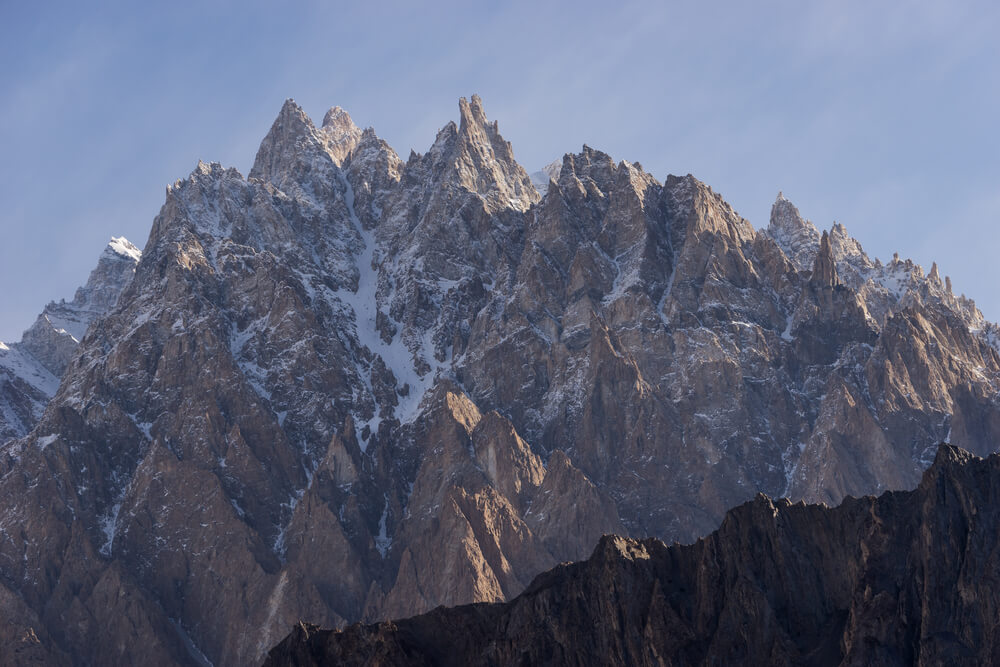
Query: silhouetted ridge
(904, 578)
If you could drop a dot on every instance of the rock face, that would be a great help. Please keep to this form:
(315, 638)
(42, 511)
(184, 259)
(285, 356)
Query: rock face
(352, 387)
(904, 579)
(30, 370)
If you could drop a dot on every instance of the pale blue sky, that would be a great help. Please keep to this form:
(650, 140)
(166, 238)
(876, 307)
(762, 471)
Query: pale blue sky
(879, 115)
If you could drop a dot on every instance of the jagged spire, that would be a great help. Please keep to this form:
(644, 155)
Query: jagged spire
(796, 236)
(824, 273)
(471, 113)
(786, 219)
(484, 160)
(934, 276)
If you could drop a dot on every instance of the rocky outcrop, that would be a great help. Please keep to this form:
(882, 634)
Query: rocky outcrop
(898, 579)
(30, 369)
(350, 386)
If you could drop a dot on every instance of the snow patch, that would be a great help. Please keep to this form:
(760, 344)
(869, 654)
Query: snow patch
(193, 651)
(109, 525)
(787, 333)
(382, 540)
(395, 354)
(122, 247)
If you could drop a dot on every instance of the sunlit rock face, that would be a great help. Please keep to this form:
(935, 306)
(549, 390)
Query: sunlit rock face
(350, 386)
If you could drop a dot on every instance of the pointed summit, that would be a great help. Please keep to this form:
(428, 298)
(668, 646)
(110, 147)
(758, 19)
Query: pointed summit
(798, 238)
(296, 155)
(471, 113)
(341, 134)
(53, 337)
(339, 118)
(934, 276)
(120, 246)
(290, 130)
(474, 156)
(824, 273)
(785, 215)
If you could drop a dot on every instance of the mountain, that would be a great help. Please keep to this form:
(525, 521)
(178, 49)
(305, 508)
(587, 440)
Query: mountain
(906, 578)
(349, 386)
(30, 369)
(550, 172)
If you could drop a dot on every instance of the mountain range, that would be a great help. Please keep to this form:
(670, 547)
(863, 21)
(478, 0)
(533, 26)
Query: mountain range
(351, 387)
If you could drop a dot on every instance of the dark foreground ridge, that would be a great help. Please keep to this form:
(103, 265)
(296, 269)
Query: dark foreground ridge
(909, 577)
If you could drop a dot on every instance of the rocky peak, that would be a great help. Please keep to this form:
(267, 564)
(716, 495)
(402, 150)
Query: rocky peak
(337, 120)
(824, 273)
(934, 275)
(796, 236)
(588, 165)
(484, 160)
(375, 170)
(53, 337)
(847, 250)
(471, 114)
(30, 369)
(289, 135)
(341, 134)
(300, 159)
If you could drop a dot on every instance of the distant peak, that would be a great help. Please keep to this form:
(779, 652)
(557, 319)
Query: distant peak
(550, 172)
(208, 168)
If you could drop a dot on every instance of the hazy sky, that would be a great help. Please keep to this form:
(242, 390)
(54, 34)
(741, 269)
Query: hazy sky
(880, 115)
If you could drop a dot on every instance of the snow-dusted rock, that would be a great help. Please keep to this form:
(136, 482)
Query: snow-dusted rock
(348, 386)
